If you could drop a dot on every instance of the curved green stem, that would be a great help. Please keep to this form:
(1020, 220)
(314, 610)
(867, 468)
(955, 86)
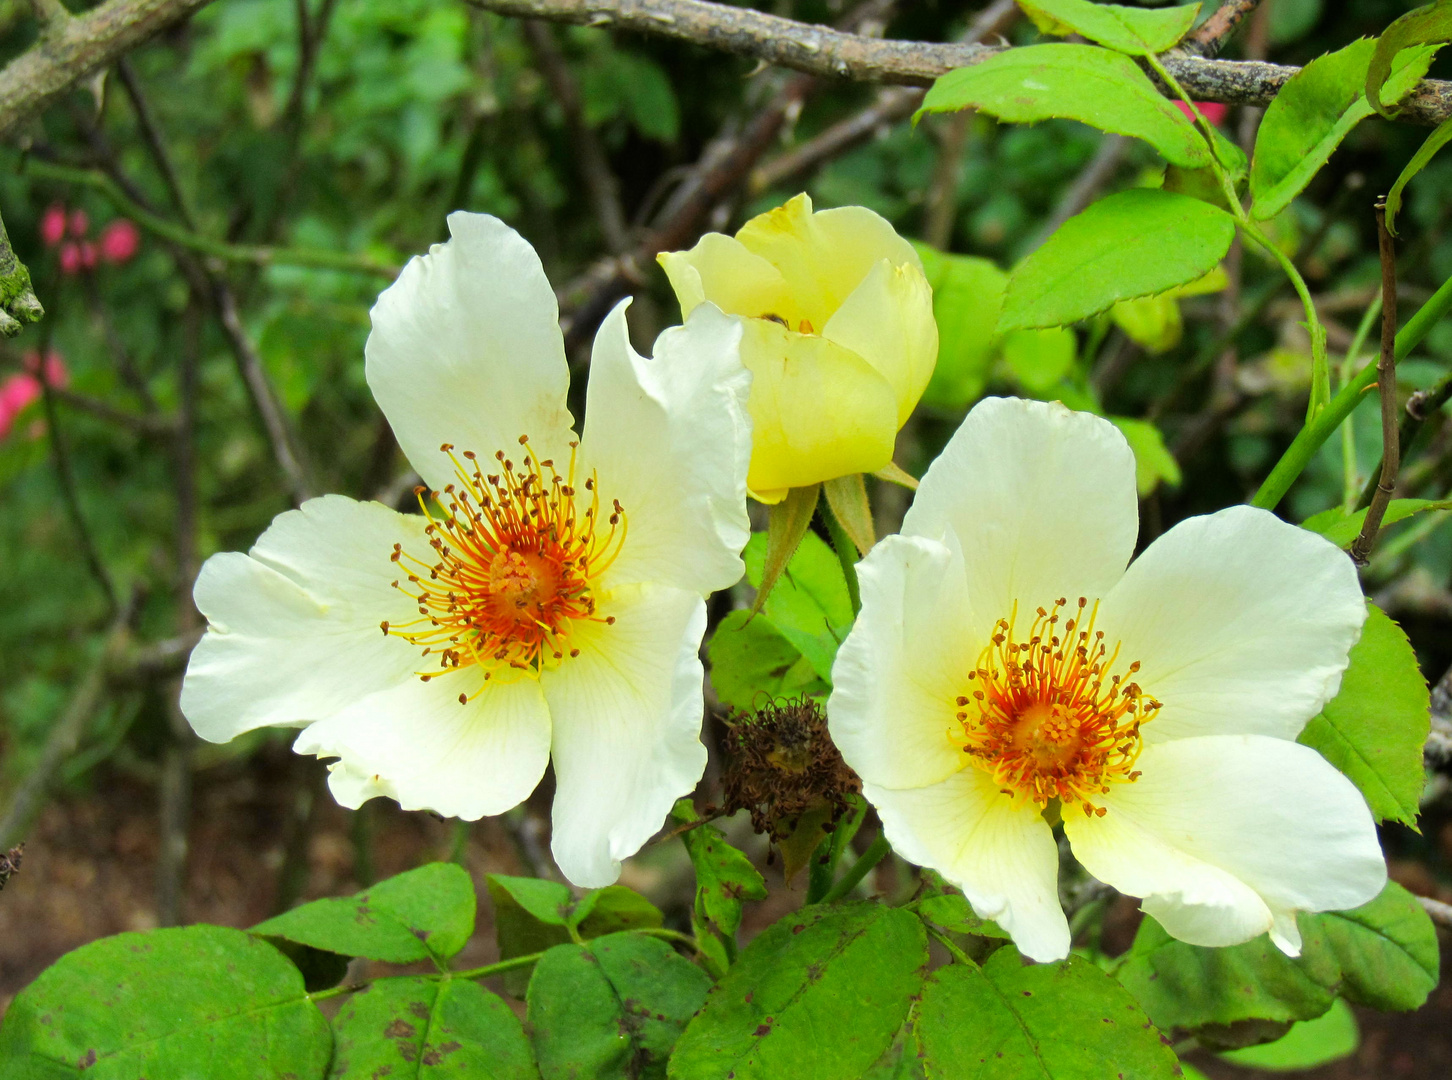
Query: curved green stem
(868, 859)
(1320, 367)
(474, 973)
(1320, 428)
(670, 935)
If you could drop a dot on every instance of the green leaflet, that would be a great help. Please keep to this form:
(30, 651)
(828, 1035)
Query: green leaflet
(809, 606)
(724, 876)
(1429, 24)
(1040, 359)
(751, 659)
(1133, 30)
(532, 915)
(611, 1009)
(1313, 112)
(1077, 82)
(1382, 954)
(820, 995)
(1342, 528)
(1008, 1021)
(1153, 463)
(422, 914)
(411, 1029)
(967, 298)
(1424, 154)
(1375, 727)
(1330, 1037)
(157, 1003)
(1134, 243)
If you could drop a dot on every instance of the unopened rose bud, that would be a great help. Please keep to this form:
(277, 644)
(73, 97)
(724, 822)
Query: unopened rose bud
(53, 225)
(70, 259)
(120, 240)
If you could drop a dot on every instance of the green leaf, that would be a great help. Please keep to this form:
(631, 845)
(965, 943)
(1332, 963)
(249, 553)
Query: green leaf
(418, 1028)
(1312, 113)
(523, 928)
(1135, 243)
(1382, 954)
(1374, 729)
(1077, 82)
(1137, 31)
(159, 1003)
(951, 911)
(1342, 528)
(809, 605)
(1009, 1021)
(418, 915)
(1040, 359)
(1153, 463)
(1329, 1037)
(613, 1008)
(724, 876)
(1424, 154)
(1425, 25)
(819, 995)
(751, 658)
(967, 299)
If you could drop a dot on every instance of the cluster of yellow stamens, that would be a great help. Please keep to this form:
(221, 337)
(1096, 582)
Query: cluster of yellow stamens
(512, 566)
(1047, 718)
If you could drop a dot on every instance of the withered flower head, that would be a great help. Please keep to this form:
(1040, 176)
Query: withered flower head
(10, 864)
(782, 764)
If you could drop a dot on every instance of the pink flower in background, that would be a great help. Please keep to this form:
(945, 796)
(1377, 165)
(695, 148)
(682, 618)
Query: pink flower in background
(18, 391)
(1212, 111)
(120, 240)
(53, 225)
(70, 259)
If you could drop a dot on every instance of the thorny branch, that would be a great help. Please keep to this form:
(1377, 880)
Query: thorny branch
(1210, 37)
(1386, 378)
(821, 51)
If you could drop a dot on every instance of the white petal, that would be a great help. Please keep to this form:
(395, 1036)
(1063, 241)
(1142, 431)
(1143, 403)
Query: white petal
(417, 744)
(294, 625)
(896, 677)
(466, 349)
(627, 718)
(1042, 500)
(1241, 623)
(670, 438)
(1226, 835)
(1003, 858)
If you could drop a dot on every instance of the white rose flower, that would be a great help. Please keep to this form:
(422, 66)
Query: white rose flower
(1006, 661)
(550, 606)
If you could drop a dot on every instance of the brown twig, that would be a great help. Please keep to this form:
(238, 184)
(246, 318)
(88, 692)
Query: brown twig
(820, 51)
(1440, 913)
(151, 425)
(1386, 382)
(77, 46)
(590, 155)
(1210, 37)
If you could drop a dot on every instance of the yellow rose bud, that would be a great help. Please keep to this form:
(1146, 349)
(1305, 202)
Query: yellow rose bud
(839, 336)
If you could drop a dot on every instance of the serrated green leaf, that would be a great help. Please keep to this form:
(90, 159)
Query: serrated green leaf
(1011, 1021)
(552, 909)
(809, 606)
(158, 1003)
(767, 1018)
(611, 1009)
(967, 299)
(951, 911)
(752, 659)
(1425, 25)
(1424, 154)
(1132, 30)
(1382, 954)
(1312, 113)
(1342, 528)
(1309, 1043)
(421, 914)
(412, 1029)
(1135, 243)
(1153, 463)
(724, 876)
(1077, 82)
(1374, 729)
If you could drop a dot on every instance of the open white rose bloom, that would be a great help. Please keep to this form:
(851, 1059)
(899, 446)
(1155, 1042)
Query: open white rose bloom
(550, 601)
(1010, 659)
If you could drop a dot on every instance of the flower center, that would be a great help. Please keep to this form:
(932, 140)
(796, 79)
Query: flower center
(512, 567)
(1048, 717)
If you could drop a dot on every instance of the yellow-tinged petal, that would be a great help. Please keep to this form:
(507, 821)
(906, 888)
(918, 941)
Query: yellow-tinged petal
(824, 256)
(721, 270)
(817, 410)
(888, 321)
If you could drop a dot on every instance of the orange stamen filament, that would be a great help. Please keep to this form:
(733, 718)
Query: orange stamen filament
(512, 566)
(1045, 716)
